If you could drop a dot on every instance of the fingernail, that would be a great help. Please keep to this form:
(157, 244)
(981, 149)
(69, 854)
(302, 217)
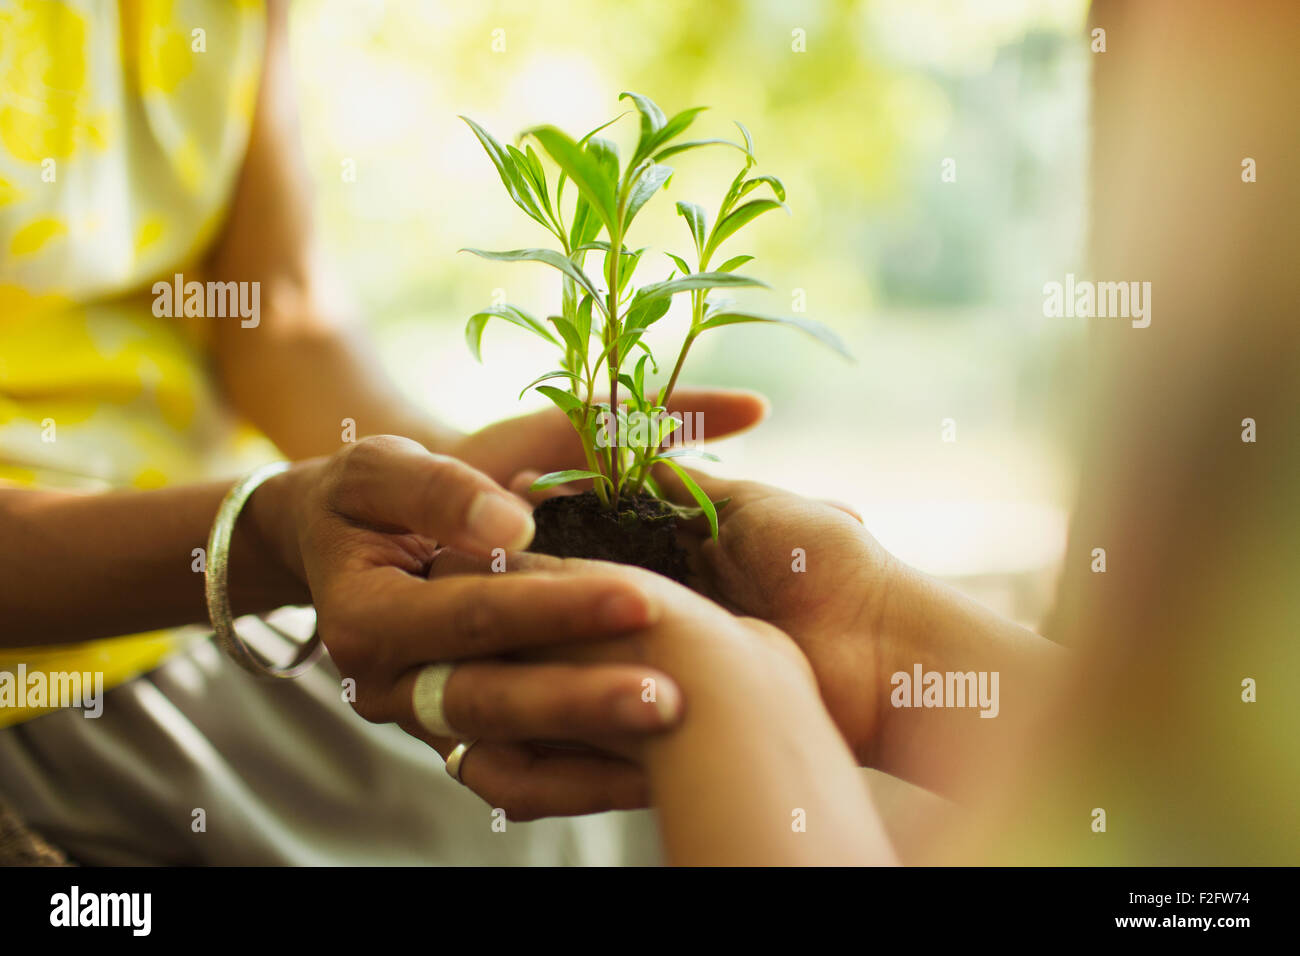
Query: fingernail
(622, 610)
(497, 522)
(668, 702)
(636, 713)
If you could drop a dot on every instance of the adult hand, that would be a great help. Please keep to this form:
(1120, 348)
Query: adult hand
(810, 569)
(361, 529)
(861, 615)
(755, 742)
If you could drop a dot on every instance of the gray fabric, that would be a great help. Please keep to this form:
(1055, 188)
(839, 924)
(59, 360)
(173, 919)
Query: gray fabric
(286, 773)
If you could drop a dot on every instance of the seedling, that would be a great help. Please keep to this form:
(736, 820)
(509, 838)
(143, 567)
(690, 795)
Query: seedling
(603, 317)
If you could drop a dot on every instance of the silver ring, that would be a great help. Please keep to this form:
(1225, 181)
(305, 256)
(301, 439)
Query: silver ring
(457, 757)
(427, 699)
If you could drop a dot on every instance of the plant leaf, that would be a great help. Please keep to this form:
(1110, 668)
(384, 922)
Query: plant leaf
(630, 384)
(815, 329)
(641, 429)
(681, 264)
(697, 493)
(734, 263)
(696, 220)
(564, 177)
(628, 269)
(750, 185)
(749, 141)
(629, 338)
(533, 175)
(569, 332)
(713, 304)
(605, 153)
(674, 128)
(582, 321)
(689, 453)
(599, 245)
(564, 477)
(646, 312)
(652, 121)
(638, 375)
(539, 174)
(739, 217)
(667, 425)
(583, 168)
(586, 224)
(647, 184)
(477, 322)
(548, 256)
(558, 373)
(685, 512)
(694, 144)
(587, 221)
(696, 280)
(567, 401)
(512, 177)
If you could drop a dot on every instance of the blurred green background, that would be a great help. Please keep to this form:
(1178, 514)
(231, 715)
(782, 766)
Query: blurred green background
(936, 286)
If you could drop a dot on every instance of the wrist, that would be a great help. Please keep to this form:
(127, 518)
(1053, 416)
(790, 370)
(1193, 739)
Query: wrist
(886, 623)
(273, 516)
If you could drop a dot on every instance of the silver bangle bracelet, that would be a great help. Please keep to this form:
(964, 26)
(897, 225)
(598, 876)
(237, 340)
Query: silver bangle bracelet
(216, 578)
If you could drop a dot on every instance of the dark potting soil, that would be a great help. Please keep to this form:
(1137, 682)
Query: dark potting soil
(641, 532)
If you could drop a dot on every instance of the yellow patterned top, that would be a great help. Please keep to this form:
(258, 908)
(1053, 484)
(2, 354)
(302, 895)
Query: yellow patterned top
(122, 129)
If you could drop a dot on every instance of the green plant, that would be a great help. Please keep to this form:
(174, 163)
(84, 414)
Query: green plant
(615, 316)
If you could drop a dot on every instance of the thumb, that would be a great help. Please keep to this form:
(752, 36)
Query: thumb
(394, 484)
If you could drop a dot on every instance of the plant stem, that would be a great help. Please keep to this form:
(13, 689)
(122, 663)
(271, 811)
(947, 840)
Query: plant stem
(677, 370)
(663, 402)
(611, 323)
(598, 486)
(697, 315)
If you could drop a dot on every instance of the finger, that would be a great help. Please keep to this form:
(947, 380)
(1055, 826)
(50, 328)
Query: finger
(406, 620)
(847, 509)
(530, 782)
(493, 700)
(392, 483)
(449, 562)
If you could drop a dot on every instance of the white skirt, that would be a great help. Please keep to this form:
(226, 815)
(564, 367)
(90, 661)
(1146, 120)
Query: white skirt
(284, 772)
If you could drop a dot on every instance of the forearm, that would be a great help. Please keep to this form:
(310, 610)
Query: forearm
(297, 373)
(301, 386)
(757, 774)
(78, 567)
(929, 625)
